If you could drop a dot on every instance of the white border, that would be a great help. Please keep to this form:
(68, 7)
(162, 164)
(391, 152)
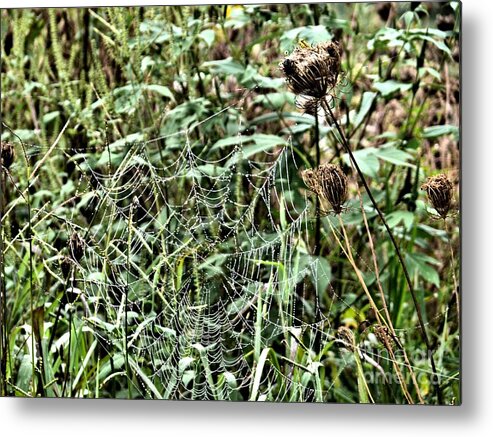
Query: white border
(51, 417)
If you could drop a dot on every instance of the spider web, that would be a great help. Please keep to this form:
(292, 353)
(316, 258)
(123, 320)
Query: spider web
(193, 267)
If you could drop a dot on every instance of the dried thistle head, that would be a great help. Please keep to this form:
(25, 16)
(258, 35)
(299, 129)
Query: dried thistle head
(76, 245)
(8, 154)
(313, 70)
(333, 185)
(345, 337)
(439, 190)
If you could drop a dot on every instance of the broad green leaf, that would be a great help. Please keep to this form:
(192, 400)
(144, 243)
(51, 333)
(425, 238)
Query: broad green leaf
(366, 102)
(50, 116)
(208, 35)
(160, 89)
(310, 34)
(274, 100)
(420, 264)
(367, 161)
(225, 66)
(438, 131)
(408, 18)
(236, 140)
(391, 86)
(394, 156)
(263, 143)
(396, 217)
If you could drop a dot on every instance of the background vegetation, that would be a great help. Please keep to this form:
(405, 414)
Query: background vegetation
(157, 239)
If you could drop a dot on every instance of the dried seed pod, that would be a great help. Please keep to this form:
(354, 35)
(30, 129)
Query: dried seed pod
(384, 336)
(329, 182)
(439, 190)
(313, 70)
(345, 338)
(309, 105)
(7, 154)
(310, 178)
(333, 185)
(65, 265)
(76, 245)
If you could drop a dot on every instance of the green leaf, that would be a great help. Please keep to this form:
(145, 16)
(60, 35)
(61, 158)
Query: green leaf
(50, 116)
(367, 161)
(225, 142)
(394, 156)
(431, 72)
(391, 86)
(438, 131)
(439, 44)
(274, 100)
(263, 143)
(225, 66)
(366, 102)
(252, 78)
(394, 218)
(420, 264)
(162, 90)
(208, 35)
(408, 18)
(310, 34)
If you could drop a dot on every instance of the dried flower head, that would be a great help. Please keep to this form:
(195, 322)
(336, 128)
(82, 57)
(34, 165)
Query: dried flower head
(439, 190)
(310, 178)
(65, 265)
(329, 182)
(7, 154)
(309, 105)
(333, 183)
(384, 336)
(313, 70)
(345, 337)
(76, 245)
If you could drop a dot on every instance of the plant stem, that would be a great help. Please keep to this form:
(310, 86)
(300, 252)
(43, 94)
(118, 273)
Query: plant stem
(332, 119)
(349, 255)
(382, 297)
(317, 246)
(3, 292)
(452, 268)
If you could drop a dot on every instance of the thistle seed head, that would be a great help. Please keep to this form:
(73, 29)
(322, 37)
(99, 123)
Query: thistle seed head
(313, 70)
(7, 154)
(439, 190)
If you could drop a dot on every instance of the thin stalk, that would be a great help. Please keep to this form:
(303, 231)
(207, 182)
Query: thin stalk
(67, 369)
(317, 246)
(452, 268)
(382, 296)
(3, 293)
(129, 245)
(349, 255)
(426, 340)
